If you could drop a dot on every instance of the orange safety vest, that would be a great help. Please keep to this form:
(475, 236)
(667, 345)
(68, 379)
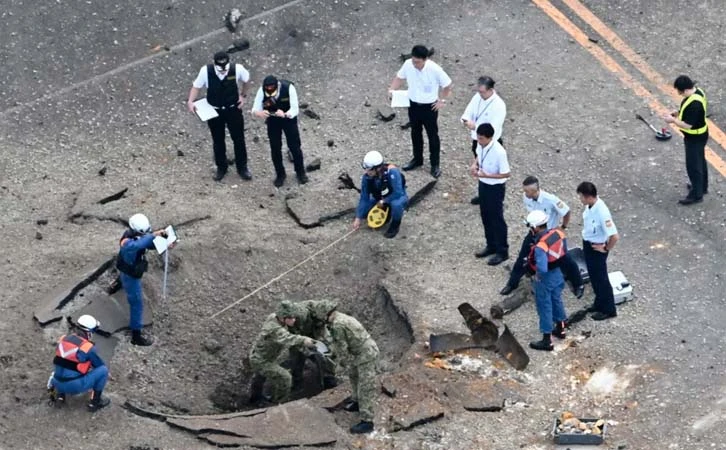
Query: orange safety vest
(553, 244)
(66, 353)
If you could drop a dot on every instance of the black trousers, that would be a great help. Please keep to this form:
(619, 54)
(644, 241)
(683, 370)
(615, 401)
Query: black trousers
(568, 266)
(597, 268)
(275, 128)
(696, 164)
(491, 209)
(422, 116)
(234, 121)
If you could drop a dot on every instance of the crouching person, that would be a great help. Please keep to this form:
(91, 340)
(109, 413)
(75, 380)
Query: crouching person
(355, 350)
(78, 368)
(383, 185)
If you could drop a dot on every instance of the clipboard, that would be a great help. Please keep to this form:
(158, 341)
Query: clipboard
(399, 99)
(204, 110)
(162, 244)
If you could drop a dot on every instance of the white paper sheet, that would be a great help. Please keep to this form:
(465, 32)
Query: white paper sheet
(204, 110)
(161, 244)
(399, 99)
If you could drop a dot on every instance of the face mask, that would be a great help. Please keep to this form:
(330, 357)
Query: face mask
(221, 68)
(271, 92)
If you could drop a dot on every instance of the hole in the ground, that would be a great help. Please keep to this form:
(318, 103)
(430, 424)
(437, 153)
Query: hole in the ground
(386, 323)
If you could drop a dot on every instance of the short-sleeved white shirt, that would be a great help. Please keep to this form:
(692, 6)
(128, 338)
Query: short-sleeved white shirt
(492, 110)
(597, 223)
(424, 84)
(243, 76)
(492, 159)
(550, 204)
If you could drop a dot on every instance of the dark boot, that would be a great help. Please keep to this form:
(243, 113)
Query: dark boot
(393, 229)
(508, 289)
(483, 253)
(302, 178)
(245, 174)
(329, 382)
(138, 339)
(220, 174)
(98, 401)
(279, 180)
(362, 427)
(560, 331)
(412, 164)
(545, 344)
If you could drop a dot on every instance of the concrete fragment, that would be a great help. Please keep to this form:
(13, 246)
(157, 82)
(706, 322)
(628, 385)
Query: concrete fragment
(112, 311)
(232, 19)
(312, 114)
(238, 45)
(38, 236)
(418, 413)
(385, 113)
(387, 386)
(212, 346)
(313, 165)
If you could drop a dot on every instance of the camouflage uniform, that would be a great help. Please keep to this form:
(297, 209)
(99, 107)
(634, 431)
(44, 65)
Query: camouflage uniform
(356, 350)
(270, 350)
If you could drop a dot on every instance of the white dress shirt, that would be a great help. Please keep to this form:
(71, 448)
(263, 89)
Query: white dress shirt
(492, 159)
(294, 106)
(597, 223)
(424, 84)
(550, 204)
(492, 110)
(243, 76)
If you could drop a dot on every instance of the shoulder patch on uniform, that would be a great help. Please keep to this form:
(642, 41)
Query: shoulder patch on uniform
(608, 223)
(560, 204)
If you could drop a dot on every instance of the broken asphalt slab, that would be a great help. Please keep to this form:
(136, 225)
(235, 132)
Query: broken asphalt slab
(293, 424)
(415, 402)
(312, 209)
(53, 304)
(111, 310)
(481, 394)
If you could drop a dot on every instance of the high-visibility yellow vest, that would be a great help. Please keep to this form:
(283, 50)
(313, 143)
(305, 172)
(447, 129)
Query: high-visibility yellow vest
(698, 96)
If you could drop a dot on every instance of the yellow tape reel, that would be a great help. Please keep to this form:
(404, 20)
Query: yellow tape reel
(377, 216)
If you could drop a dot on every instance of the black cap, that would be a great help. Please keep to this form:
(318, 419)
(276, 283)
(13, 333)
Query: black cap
(269, 80)
(221, 58)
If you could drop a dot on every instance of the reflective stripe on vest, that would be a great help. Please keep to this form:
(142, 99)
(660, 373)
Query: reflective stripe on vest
(66, 353)
(692, 98)
(552, 242)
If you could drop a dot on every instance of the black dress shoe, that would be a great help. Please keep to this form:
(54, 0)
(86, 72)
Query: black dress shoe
(483, 253)
(435, 171)
(302, 178)
(475, 200)
(412, 165)
(591, 308)
(690, 201)
(599, 315)
(579, 291)
(245, 174)
(508, 289)
(498, 259)
(279, 180)
(542, 345)
(220, 174)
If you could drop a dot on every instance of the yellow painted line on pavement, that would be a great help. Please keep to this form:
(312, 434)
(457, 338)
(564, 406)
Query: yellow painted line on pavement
(637, 61)
(610, 64)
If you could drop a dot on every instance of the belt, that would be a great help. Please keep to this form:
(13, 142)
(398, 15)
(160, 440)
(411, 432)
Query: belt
(420, 104)
(225, 107)
(596, 243)
(63, 380)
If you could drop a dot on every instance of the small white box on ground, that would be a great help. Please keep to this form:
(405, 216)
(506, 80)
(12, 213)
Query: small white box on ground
(622, 290)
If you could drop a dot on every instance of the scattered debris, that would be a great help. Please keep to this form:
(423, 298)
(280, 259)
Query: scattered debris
(418, 413)
(593, 40)
(385, 113)
(212, 346)
(570, 430)
(102, 172)
(38, 236)
(312, 114)
(313, 165)
(179, 153)
(42, 221)
(238, 45)
(347, 182)
(367, 104)
(232, 19)
(437, 363)
(406, 126)
(331, 142)
(113, 197)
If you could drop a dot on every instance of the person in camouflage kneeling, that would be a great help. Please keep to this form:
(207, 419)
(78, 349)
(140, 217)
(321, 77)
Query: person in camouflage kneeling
(357, 351)
(270, 350)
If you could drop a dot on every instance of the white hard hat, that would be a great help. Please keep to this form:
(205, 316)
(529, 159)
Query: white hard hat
(372, 159)
(88, 323)
(140, 223)
(537, 218)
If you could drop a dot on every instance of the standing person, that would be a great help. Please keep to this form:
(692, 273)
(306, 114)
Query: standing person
(550, 246)
(270, 350)
(381, 184)
(691, 120)
(276, 102)
(131, 263)
(358, 352)
(222, 79)
(491, 167)
(486, 106)
(536, 199)
(599, 236)
(428, 88)
(78, 368)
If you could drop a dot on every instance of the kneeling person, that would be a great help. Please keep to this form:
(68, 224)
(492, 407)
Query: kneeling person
(382, 184)
(544, 261)
(78, 368)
